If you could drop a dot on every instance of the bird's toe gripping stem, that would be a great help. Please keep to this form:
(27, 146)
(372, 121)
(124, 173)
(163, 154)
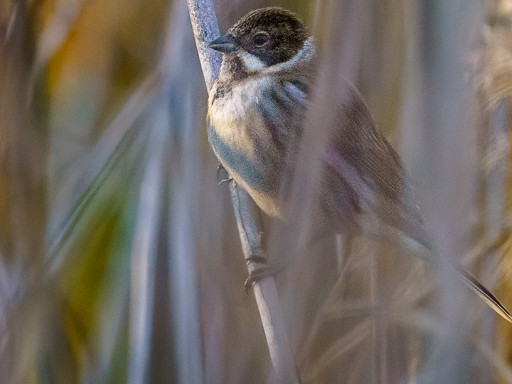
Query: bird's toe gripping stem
(221, 179)
(259, 268)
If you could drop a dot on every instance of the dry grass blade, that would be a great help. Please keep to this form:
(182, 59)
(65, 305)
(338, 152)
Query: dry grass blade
(144, 253)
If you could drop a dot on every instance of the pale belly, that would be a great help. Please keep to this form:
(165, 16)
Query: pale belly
(252, 174)
(250, 134)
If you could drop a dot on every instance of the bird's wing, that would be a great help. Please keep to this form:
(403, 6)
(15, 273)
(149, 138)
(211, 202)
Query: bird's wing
(283, 105)
(359, 159)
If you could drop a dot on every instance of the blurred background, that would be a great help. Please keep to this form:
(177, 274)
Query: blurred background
(120, 261)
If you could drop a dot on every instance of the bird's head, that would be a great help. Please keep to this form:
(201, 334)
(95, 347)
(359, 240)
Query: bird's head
(262, 39)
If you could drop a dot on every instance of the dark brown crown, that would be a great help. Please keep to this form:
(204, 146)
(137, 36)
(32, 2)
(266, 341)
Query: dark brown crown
(286, 34)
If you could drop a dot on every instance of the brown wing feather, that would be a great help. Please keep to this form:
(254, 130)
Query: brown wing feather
(367, 179)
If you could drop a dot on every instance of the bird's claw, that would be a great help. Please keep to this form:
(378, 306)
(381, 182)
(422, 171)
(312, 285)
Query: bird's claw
(259, 268)
(222, 180)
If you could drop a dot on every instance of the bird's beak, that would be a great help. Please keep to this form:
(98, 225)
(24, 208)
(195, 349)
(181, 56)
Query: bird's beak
(225, 44)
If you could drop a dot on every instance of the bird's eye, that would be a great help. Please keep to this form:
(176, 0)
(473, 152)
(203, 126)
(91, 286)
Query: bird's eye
(261, 39)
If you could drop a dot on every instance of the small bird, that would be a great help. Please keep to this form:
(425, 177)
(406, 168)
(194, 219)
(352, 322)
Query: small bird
(256, 110)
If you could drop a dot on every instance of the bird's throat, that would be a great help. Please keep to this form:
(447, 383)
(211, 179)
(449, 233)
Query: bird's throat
(233, 68)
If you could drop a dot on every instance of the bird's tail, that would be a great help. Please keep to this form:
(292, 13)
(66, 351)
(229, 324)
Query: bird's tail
(484, 293)
(424, 249)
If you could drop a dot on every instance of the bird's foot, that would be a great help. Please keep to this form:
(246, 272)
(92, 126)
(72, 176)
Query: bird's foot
(221, 179)
(259, 268)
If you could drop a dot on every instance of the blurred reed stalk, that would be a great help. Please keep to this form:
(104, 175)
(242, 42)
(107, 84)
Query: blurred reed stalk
(205, 27)
(23, 161)
(495, 81)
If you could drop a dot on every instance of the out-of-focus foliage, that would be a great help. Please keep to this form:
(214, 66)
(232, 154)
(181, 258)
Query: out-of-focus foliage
(119, 256)
(495, 84)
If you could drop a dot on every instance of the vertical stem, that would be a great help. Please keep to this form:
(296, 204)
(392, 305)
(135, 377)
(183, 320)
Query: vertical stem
(249, 223)
(498, 51)
(143, 259)
(205, 27)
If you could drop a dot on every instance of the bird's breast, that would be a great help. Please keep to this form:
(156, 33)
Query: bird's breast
(233, 112)
(250, 128)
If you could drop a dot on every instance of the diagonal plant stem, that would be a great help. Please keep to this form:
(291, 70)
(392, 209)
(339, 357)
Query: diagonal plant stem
(205, 27)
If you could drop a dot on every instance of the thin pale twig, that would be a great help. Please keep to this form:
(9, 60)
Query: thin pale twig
(205, 27)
